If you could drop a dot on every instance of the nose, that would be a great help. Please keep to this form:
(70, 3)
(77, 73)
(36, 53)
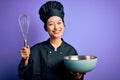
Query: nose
(55, 26)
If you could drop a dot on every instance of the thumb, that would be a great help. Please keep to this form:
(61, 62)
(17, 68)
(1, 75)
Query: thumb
(27, 46)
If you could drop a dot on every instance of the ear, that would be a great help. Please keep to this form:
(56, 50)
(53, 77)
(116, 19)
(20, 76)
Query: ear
(45, 27)
(64, 23)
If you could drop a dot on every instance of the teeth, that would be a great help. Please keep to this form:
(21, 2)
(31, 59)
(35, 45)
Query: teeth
(56, 31)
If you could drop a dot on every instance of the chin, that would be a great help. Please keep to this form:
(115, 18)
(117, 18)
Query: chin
(56, 36)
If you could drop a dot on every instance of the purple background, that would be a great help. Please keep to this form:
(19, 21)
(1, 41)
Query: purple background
(92, 27)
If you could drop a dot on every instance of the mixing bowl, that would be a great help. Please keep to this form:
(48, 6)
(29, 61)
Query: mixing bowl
(80, 63)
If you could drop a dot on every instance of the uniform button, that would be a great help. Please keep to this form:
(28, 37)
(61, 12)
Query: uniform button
(61, 53)
(50, 52)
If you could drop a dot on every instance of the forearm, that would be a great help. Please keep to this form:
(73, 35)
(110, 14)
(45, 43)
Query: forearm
(26, 61)
(24, 72)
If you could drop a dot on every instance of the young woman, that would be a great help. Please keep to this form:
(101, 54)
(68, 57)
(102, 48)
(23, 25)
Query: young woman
(44, 61)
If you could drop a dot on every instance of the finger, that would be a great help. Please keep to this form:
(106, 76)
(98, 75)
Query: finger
(24, 57)
(78, 73)
(71, 72)
(23, 51)
(27, 46)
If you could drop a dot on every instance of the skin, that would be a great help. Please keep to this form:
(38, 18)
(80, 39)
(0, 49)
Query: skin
(55, 29)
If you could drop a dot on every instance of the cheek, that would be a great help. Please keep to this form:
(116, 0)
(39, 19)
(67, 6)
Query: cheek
(49, 29)
(63, 28)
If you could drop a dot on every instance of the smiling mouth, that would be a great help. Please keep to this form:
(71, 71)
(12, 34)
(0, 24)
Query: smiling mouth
(56, 32)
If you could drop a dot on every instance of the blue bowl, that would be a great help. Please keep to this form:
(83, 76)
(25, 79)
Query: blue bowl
(82, 64)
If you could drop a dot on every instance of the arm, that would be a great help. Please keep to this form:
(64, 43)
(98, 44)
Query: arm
(25, 66)
(25, 72)
(77, 75)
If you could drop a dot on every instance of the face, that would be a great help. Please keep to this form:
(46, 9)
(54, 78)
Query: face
(55, 27)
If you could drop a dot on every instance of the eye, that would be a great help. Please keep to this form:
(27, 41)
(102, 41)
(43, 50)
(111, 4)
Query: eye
(50, 24)
(59, 23)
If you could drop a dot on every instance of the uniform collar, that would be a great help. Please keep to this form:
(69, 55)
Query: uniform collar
(52, 49)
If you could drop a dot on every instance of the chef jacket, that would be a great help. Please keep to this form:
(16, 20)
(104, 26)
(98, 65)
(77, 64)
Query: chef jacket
(46, 63)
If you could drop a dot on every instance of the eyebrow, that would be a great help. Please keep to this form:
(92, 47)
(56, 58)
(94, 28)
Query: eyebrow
(53, 21)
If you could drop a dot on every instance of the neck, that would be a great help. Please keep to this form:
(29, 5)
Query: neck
(55, 42)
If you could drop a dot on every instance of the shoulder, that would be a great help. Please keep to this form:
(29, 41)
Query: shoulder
(67, 45)
(36, 49)
(40, 44)
(68, 48)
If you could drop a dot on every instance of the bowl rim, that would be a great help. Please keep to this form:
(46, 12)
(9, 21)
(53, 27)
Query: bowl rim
(80, 57)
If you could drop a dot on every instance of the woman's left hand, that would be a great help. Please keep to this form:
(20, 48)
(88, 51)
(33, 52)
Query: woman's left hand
(77, 75)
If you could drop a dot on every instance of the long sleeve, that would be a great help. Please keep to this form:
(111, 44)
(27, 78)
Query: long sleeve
(25, 72)
(47, 64)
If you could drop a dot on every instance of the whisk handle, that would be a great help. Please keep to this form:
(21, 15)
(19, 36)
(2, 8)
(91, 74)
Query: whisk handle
(25, 43)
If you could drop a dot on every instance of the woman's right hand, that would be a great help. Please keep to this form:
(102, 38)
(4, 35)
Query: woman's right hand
(25, 53)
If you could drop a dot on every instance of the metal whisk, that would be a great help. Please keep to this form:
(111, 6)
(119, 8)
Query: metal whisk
(24, 22)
